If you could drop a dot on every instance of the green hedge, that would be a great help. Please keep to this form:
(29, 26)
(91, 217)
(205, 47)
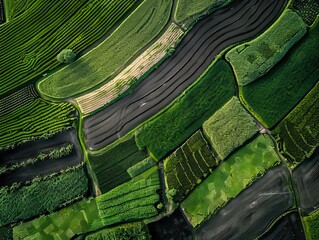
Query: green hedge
(271, 97)
(187, 167)
(230, 178)
(172, 126)
(132, 231)
(112, 54)
(132, 200)
(253, 59)
(41, 195)
(111, 163)
(229, 128)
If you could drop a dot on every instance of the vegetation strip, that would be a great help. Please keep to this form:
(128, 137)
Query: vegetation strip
(230, 178)
(130, 76)
(272, 96)
(251, 60)
(32, 47)
(93, 68)
(40, 195)
(38, 119)
(193, 55)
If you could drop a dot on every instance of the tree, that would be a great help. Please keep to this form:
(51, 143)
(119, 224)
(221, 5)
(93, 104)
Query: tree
(66, 56)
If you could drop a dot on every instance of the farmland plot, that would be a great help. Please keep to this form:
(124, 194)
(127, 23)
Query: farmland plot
(131, 74)
(308, 10)
(230, 178)
(193, 55)
(311, 226)
(17, 7)
(31, 46)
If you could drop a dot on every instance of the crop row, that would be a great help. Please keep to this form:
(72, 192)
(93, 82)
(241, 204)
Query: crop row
(171, 127)
(126, 231)
(75, 219)
(35, 120)
(308, 10)
(130, 201)
(99, 64)
(272, 97)
(31, 46)
(298, 134)
(114, 161)
(230, 178)
(17, 99)
(130, 75)
(17, 7)
(251, 60)
(229, 128)
(187, 166)
(21, 202)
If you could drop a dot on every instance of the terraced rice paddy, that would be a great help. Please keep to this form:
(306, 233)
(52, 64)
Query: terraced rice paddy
(74, 27)
(131, 75)
(193, 55)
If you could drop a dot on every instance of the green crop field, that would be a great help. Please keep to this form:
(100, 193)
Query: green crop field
(37, 119)
(80, 217)
(94, 68)
(229, 179)
(187, 9)
(75, 26)
(253, 59)
(308, 9)
(172, 126)
(114, 161)
(131, 201)
(126, 231)
(41, 195)
(298, 135)
(187, 167)
(229, 128)
(17, 7)
(272, 96)
(311, 224)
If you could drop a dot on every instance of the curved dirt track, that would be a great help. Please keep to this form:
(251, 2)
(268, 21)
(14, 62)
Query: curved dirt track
(239, 21)
(247, 216)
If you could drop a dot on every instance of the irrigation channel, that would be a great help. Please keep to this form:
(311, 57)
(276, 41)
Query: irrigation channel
(240, 21)
(256, 207)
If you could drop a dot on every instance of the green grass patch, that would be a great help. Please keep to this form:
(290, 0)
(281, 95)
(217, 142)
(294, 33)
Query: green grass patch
(134, 231)
(311, 226)
(110, 164)
(78, 218)
(230, 178)
(31, 46)
(37, 119)
(229, 128)
(271, 97)
(187, 167)
(253, 59)
(41, 195)
(298, 134)
(131, 201)
(308, 10)
(99, 64)
(192, 9)
(172, 126)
